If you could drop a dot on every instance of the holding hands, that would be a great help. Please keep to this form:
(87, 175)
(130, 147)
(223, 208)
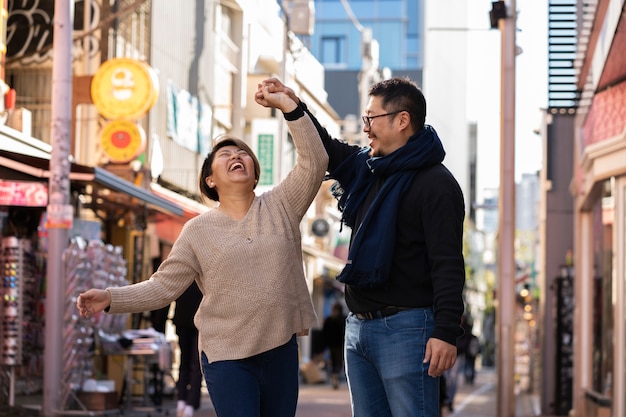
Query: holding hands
(272, 93)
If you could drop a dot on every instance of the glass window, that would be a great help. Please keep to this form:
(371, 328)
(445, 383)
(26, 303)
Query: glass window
(603, 300)
(332, 50)
(226, 73)
(378, 9)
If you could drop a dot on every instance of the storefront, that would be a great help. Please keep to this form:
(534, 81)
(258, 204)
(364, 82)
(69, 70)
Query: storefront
(109, 245)
(600, 285)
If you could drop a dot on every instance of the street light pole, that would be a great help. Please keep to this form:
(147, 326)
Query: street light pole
(505, 312)
(59, 210)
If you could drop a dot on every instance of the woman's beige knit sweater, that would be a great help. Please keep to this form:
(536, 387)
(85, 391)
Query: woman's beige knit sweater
(250, 271)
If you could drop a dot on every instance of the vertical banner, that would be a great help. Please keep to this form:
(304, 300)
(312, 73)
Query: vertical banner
(265, 152)
(264, 137)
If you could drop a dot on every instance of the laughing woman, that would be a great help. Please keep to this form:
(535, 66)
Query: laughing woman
(246, 257)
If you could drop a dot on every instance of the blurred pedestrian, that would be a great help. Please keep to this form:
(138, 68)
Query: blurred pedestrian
(246, 257)
(452, 374)
(189, 384)
(472, 352)
(333, 333)
(443, 394)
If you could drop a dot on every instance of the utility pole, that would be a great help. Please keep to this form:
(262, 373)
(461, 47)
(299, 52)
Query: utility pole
(59, 209)
(505, 311)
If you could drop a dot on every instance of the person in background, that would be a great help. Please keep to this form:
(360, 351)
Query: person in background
(442, 394)
(472, 352)
(246, 257)
(189, 384)
(158, 318)
(452, 374)
(405, 272)
(333, 333)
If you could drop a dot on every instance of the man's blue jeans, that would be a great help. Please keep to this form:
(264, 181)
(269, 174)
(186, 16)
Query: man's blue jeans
(384, 365)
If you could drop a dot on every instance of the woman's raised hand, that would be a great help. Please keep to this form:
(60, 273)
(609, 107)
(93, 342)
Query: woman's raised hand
(272, 93)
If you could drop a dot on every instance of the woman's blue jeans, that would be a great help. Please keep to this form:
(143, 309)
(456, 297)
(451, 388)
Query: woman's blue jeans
(384, 365)
(264, 385)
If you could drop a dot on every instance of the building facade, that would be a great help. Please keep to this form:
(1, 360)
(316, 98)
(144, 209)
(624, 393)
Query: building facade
(197, 65)
(598, 186)
(361, 42)
(587, 117)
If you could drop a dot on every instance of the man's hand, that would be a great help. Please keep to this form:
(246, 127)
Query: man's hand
(441, 356)
(93, 301)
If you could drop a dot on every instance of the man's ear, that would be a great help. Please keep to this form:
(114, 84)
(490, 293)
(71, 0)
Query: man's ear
(405, 120)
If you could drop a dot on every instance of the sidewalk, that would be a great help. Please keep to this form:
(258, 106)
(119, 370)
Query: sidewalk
(319, 400)
(480, 399)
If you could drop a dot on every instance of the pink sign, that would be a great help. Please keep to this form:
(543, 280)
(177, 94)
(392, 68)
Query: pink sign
(23, 193)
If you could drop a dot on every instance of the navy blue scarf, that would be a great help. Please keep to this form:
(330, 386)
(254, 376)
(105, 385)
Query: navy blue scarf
(371, 249)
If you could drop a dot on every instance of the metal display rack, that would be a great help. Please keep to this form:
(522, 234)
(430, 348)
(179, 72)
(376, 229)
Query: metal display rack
(87, 264)
(148, 349)
(19, 332)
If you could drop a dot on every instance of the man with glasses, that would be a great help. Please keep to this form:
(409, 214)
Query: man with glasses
(405, 270)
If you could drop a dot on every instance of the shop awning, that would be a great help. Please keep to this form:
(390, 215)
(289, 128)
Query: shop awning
(15, 141)
(112, 181)
(190, 207)
(39, 167)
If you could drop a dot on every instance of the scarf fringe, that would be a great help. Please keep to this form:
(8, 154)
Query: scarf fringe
(361, 279)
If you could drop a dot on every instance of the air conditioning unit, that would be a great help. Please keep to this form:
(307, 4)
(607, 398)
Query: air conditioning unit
(21, 119)
(301, 15)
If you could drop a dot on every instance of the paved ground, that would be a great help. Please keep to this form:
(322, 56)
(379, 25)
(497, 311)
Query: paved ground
(320, 400)
(480, 399)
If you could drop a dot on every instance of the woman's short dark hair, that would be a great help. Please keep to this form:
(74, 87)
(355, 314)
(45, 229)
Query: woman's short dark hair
(207, 170)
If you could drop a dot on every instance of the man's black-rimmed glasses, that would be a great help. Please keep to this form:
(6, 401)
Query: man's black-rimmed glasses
(367, 120)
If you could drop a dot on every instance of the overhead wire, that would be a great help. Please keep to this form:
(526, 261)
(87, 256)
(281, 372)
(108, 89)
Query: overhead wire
(353, 18)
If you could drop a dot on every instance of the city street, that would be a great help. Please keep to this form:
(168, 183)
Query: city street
(478, 400)
(321, 400)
